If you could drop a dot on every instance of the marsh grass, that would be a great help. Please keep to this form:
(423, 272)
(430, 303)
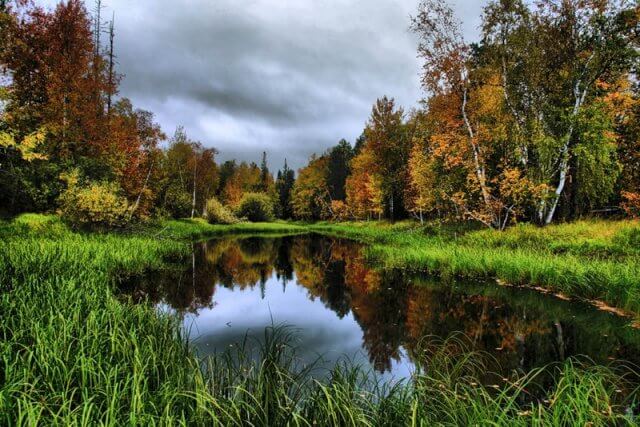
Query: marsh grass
(72, 353)
(588, 259)
(196, 229)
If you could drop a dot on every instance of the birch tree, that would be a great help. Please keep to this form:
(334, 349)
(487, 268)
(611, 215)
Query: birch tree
(467, 105)
(591, 41)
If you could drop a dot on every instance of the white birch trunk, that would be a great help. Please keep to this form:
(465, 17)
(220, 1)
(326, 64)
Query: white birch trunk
(146, 181)
(195, 176)
(564, 153)
(479, 169)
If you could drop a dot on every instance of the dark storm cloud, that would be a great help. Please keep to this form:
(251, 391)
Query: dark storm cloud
(290, 77)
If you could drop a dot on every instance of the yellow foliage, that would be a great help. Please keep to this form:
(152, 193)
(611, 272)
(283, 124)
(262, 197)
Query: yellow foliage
(310, 196)
(28, 147)
(217, 213)
(6, 140)
(364, 187)
(95, 205)
(421, 192)
(30, 144)
(339, 210)
(374, 190)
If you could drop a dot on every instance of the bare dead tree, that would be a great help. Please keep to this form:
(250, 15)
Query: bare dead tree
(195, 179)
(111, 77)
(97, 26)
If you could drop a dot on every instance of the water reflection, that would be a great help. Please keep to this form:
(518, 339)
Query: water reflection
(343, 306)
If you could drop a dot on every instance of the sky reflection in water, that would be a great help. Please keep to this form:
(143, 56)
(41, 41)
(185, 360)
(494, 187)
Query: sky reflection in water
(342, 308)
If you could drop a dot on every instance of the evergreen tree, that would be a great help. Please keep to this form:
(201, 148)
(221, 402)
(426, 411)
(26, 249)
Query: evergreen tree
(338, 169)
(227, 169)
(284, 184)
(265, 175)
(357, 147)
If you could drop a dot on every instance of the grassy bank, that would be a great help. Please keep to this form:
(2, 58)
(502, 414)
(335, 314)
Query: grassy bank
(197, 229)
(74, 353)
(71, 352)
(588, 259)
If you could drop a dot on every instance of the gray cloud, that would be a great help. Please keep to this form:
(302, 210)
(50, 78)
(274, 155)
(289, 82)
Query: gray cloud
(290, 77)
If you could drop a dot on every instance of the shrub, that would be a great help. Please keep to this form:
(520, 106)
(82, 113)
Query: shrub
(256, 207)
(177, 202)
(217, 213)
(95, 205)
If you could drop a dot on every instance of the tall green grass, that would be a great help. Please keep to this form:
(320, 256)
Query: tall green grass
(72, 352)
(588, 259)
(195, 229)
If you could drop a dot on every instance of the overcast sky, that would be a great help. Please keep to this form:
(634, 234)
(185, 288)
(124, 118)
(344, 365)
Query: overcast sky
(291, 77)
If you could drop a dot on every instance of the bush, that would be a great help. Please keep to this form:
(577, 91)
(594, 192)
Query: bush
(256, 207)
(96, 205)
(217, 213)
(177, 202)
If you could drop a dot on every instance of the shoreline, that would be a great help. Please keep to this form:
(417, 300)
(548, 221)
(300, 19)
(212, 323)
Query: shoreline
(70, 344)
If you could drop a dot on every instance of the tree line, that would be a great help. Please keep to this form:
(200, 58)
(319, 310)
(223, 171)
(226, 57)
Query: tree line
(538, 121)
(68, 141)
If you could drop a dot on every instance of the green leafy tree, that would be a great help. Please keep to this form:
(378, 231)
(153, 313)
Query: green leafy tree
(227, 169)
(556, 60)
(266, 179)
(595, 160)
(310, 197)
(190, 172)
(389, 144)
(256, 207)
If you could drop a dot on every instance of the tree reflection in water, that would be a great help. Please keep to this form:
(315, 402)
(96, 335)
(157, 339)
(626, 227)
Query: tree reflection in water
(394, 310)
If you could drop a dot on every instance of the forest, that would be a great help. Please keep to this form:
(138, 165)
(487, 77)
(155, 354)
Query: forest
(538, 122)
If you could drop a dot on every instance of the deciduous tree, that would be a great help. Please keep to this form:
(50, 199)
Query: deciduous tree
(310, 197)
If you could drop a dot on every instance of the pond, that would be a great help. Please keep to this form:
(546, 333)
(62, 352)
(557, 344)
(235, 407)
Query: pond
(343, 308)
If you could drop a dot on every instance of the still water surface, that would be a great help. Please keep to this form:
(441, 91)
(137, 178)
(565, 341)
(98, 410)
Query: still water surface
(342, 308)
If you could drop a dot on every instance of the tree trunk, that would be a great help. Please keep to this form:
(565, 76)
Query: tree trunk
(524, 151)
(146, 181)
(195, 177)
(193, 266)
(111, 82)
(479, 169)
(565, 154)
(560, 340)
